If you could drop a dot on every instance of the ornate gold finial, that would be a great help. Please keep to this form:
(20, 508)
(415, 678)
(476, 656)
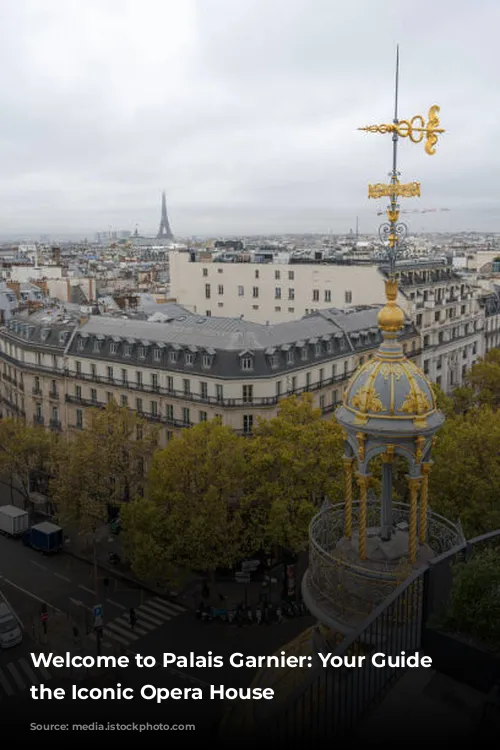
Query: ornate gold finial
(408, 190)
(415, 129)
(391, 318)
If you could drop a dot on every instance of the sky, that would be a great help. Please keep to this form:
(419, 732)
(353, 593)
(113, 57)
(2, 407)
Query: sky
(245, 112)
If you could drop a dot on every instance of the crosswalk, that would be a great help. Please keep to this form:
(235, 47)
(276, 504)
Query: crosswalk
(19, 675)
(150, 616)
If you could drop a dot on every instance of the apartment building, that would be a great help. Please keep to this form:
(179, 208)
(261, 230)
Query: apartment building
(490, 303)
(445, 308)
(270, 292)
(180, 369)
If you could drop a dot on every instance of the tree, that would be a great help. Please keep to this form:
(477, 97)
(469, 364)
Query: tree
(195, 514)
(296, 459)
(102, 465)
(24, 449)
(466, 474)
(484, 379)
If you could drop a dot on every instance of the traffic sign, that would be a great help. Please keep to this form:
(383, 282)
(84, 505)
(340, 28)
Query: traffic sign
(242, 578)
(97, 610)
(249, 566)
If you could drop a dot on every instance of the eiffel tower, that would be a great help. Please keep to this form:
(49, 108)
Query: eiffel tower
(164, 231)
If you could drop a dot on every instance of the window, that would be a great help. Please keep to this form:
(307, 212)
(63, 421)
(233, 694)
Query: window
(438, 380)
(278, 388)
(241, 291)
(321, 402)
(220, 289)
(291, 275)
(419, 320)
(97, 345)
(203, 416)
(38, 411)
(220, 270)
(277, 275)
(93, 395)
(308, 379)
(169, 413)
(329, 346)
(289, 357)
(113, 348)
(207, 360)
(39, 357)
(172, 356)
(157, 355)
(294, 384)
(36, 387)
(474, 348)
(346, 367)
(124, 400)
(321, 375)
(256, 273)
(275, 360)
(124, 377)
(317, 350)
(219, 392)
(139, 431)
(207, 291)
(328, 295)
(93, 371)
(186, 416)
(188, 358)
(255, 292)
(138, 404)
(186, 385)
(78, 392)
(81, 344)
(277, 309)
(303, 353)
(205, 272)
(204, 390)
(138, 378)
(109, 397)
(334, 370)
(246, 363)
(220, 304)
(110, 374)
(154, 408)
(255, 307)
(170, 383)
(291, 293)
(348, 297)
(426, 340)
(208, 313)
(277, 293)
(79, 419)
(154, 382)
(315, 295)
(78, 367)
(127, 351)
(247, 394)
(247, 423)
(439, 363)
(142, 352)
(440, 337)
(55, 415)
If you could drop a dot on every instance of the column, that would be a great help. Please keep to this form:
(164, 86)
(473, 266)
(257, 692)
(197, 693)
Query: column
(348, 465)
(413, 484)
(424, 497)
(363, 487)
(386, 510)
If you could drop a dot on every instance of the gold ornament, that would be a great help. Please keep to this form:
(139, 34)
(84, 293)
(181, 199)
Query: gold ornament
(367, 399)
(394, 189)
(361, 437)
(415, 129)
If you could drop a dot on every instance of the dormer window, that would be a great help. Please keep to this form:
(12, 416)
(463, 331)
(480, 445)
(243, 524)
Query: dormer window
(246, 362)
(113, 348)
(81, 345)
(303, 353)
(157, 355)
(142, 352)
(317, 349)
(97, 345)
(206, 360)
(62, 336)
(188, 358)
(45, 334)
(329, 346)
(289, 357)
(275, 360)
(172, 356)
(127, 352)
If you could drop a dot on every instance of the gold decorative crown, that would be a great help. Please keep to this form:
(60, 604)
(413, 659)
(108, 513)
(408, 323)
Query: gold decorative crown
(391, 318)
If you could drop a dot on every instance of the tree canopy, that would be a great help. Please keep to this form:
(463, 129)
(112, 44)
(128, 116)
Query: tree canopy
(24, 449)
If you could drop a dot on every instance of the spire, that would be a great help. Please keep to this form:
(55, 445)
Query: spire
(164, 232)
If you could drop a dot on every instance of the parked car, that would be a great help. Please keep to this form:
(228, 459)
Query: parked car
(11, 633)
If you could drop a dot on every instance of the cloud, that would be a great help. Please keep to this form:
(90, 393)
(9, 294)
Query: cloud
(245, 112)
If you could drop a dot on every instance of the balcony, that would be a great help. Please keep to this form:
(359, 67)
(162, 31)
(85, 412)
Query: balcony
(55, 425)
(54, 395)
(36, 390)
(38, 420)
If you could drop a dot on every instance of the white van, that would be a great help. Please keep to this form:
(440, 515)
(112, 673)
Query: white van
(10, 630)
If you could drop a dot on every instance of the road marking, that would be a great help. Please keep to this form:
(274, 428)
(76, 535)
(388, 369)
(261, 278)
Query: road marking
(106, 644)
(31, 675)
(121, 631)
(80, 604)
(163, 608)
(64, 578)
(169, 604)
(17, 677)
(89, 591)
(115, 604)
(38, 565)
(33, 596)
(110, 634)
(147, 625)
(155, 612)
(4, 683)
(45, 672)
(123, 621)
(143, 616)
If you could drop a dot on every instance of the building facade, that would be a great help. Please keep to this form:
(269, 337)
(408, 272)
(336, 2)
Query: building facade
(182, 369)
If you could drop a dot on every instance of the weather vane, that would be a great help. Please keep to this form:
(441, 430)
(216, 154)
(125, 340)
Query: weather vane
(394, 231)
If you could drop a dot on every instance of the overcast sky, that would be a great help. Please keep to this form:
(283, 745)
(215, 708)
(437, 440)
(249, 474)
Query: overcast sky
(244, 111)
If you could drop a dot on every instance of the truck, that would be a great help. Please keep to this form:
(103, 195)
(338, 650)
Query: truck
(13, 521)
(45, 537)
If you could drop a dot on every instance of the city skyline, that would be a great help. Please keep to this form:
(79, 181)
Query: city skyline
(247, 117)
